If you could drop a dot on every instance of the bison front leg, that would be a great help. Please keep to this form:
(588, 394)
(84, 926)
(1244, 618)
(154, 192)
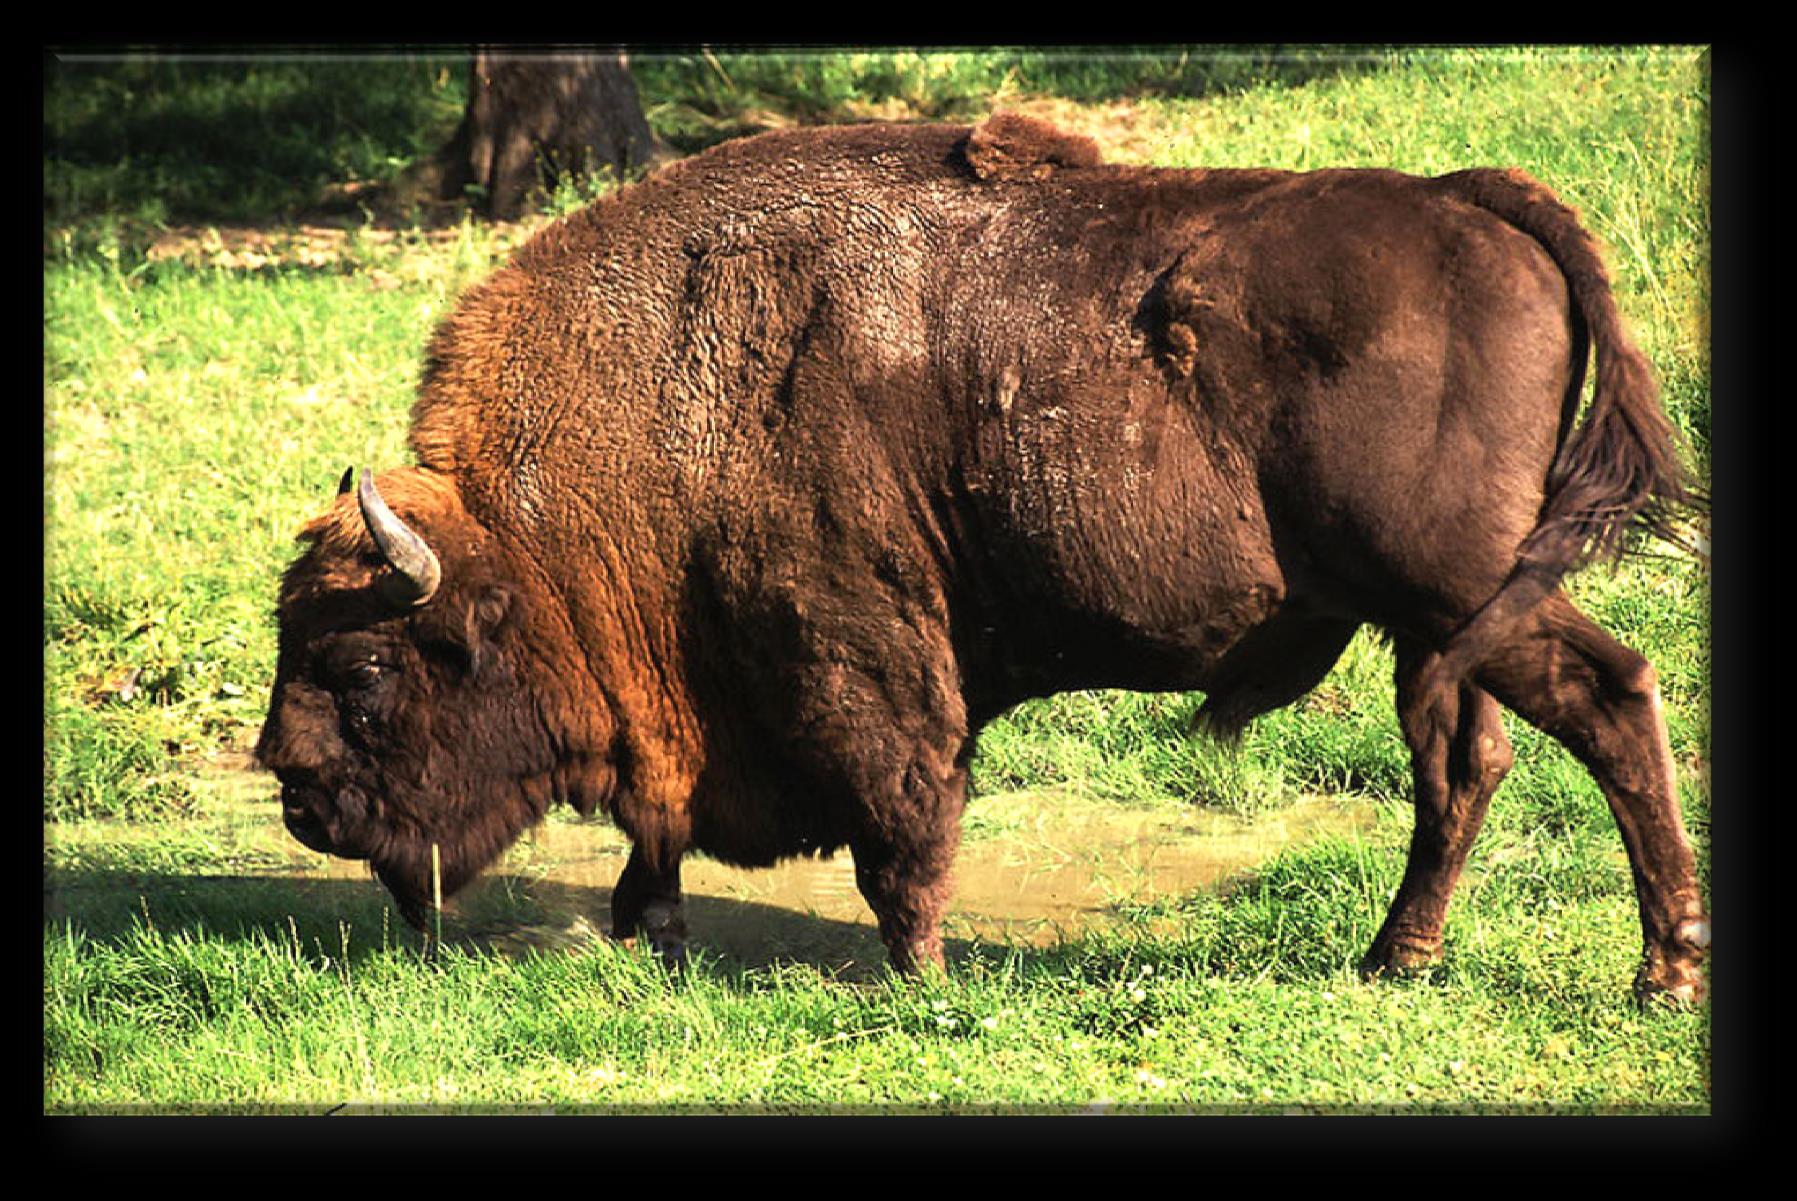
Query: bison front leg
(1459, 754)
(904, 858)
(648, 900)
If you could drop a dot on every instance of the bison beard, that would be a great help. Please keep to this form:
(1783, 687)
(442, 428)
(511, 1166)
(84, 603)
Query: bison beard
(745, 497)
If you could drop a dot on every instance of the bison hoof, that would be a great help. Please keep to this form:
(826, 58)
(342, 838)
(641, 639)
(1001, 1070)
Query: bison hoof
(920, 957)
(1679, 989)
(665, 925)
(1400, 957)
(1674, 976)
(672, 952)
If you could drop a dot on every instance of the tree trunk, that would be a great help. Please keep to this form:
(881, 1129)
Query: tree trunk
(533, 118)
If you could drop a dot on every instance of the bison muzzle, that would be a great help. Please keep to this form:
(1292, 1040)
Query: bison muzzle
(746, 496)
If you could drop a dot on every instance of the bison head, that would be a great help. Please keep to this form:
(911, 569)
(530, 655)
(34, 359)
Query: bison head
(412, 705)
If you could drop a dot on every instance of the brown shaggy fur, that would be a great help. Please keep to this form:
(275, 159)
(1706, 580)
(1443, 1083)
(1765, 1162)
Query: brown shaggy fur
(759, 487)
(1013, 146)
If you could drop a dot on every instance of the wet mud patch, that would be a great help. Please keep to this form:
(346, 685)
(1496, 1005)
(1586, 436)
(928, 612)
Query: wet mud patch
(1033, 869)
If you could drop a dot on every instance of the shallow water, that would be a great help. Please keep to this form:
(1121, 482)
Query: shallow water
(1036, 867)
(1032, 868)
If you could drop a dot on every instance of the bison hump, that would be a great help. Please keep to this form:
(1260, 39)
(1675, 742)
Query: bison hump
(1013, 146)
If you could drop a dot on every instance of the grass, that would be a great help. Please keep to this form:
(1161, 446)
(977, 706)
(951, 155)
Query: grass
(266, 1021)
(200, 405)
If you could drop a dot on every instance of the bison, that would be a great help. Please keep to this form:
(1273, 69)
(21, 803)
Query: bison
(745, 497)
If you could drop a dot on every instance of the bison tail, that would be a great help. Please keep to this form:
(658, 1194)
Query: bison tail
(1620, 469)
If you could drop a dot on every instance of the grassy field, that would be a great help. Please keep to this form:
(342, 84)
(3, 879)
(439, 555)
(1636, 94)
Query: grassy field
(215, 353)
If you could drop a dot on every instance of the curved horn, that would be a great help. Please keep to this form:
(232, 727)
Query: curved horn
(416, 564)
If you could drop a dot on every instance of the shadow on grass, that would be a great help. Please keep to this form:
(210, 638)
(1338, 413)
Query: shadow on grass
(257, 138)
(352, 919)
(505, 914)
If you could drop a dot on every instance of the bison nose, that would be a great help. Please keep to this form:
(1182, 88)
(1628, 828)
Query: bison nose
(304, 825)
(300, 815)
(269, 737)
(268, 754)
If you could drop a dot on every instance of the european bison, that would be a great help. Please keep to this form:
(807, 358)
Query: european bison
(746, 496)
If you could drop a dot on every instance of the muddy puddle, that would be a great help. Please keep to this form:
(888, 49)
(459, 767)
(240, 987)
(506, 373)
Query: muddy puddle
(1033, 868)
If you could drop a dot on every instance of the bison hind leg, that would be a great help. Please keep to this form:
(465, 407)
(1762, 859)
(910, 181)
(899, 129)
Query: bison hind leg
(1569, 678)
(1459, 755)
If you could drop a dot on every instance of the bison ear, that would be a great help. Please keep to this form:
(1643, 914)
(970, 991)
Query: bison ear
(488, 611)
(483, 617)
(466, 630)
(1179, 305)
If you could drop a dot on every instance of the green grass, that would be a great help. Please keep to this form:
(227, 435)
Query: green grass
(199, 408)
(1251, 1007)
(692, 99)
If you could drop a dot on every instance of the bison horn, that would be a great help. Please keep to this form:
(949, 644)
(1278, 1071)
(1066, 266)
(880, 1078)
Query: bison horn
(407, 553)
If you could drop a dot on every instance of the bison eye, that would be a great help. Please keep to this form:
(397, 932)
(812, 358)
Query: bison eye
(364, 673)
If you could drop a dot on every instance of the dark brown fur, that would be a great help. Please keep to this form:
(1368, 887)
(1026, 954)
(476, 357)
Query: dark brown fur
(760, 487)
